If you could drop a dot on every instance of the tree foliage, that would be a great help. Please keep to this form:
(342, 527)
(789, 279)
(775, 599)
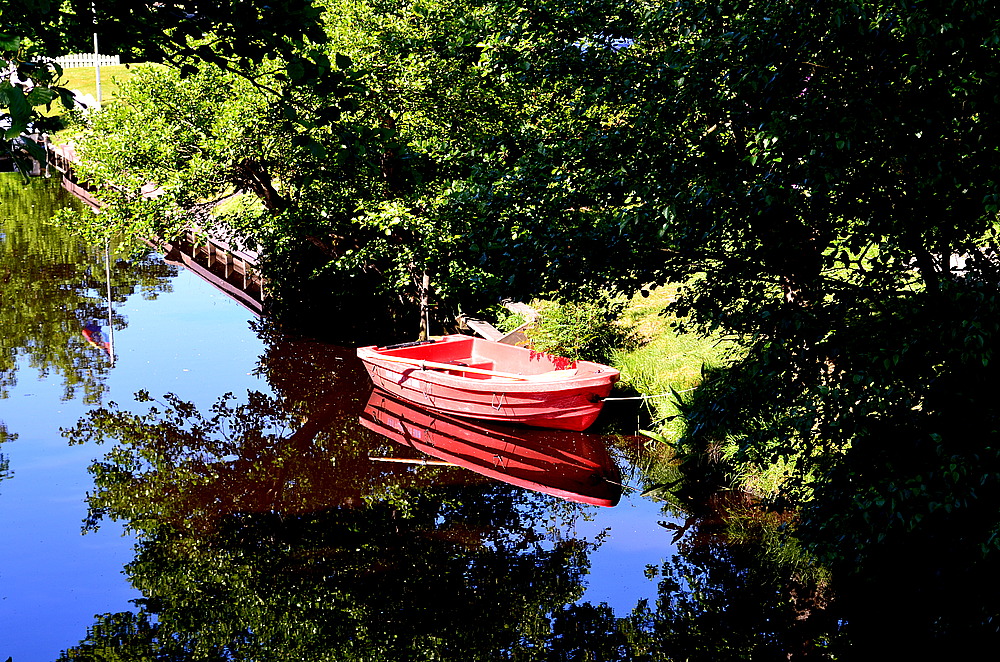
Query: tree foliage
(188, 144)
(473, 150)
(242, 35)
(817, 172)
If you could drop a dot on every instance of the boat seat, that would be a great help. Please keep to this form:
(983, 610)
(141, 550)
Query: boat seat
(459, 363)
(458, 372)
(552, 375)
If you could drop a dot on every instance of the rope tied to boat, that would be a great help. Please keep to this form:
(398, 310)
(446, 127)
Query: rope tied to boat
(649, 397)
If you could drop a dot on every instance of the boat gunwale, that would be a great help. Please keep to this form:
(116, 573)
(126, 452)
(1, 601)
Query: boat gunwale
(589, 374)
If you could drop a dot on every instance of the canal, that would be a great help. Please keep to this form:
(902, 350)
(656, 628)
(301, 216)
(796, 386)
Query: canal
(187, 482)
(174, 334)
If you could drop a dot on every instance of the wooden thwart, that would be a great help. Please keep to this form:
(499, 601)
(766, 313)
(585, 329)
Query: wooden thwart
(434, 365)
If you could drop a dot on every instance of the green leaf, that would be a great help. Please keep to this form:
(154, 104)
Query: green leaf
(36, 151)
(40, 96)
(296, 69)
(660, 488)
(656, 436)
(9, 42)
(20, 112)
(66, 98)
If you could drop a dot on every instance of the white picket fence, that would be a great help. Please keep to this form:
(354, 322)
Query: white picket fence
(86, 60)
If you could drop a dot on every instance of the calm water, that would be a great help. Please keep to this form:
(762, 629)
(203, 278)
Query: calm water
(171, 334)
(268, 525)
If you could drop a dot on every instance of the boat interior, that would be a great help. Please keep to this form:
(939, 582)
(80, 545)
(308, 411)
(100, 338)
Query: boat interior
(471, 352)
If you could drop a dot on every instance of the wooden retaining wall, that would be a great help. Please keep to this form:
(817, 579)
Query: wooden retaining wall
(230, 270)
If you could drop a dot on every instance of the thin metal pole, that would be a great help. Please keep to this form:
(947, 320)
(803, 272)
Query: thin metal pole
(97, 56)
(107, 277)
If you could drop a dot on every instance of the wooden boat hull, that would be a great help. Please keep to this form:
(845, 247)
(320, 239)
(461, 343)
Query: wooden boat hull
(568, 465)
(476, 378)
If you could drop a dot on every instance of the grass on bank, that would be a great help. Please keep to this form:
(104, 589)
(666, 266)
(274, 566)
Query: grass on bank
(665, 362)
(657, 362)
(634, 336)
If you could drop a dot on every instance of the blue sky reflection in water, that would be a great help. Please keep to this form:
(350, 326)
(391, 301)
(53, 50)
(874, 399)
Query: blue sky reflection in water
(189, 339)
(192, 341)
(173, 333)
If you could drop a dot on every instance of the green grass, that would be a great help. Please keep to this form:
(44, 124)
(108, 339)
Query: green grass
(84, 80)
(654, 359)
(666, 361)
(670, 362)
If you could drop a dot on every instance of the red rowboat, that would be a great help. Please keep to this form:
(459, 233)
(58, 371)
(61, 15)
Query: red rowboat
(568, 465)
(476, 378)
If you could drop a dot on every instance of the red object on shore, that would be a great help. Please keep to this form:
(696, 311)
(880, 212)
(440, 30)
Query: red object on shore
(568, 465)
(476, 378)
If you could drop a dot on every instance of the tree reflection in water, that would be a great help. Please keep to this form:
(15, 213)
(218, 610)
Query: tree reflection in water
(54, 286)
(738, 589)
(266, 532)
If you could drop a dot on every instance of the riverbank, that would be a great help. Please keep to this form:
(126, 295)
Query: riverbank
(656, 361)
(667, 367)
(662, 366)
(664, 362)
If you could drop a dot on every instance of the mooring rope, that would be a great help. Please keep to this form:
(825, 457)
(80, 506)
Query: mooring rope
(639, 397)
(648, 397)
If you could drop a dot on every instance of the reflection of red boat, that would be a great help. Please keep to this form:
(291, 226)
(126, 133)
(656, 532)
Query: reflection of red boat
(568, 465)
(477, 378)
